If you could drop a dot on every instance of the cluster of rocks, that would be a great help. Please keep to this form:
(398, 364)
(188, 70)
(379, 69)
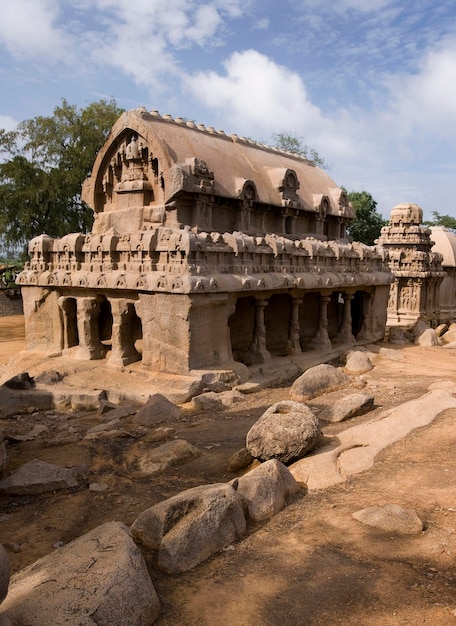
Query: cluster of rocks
(180, 532)
(423, 335)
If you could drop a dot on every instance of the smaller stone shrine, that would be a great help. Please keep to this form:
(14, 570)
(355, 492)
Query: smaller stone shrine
(416, 268)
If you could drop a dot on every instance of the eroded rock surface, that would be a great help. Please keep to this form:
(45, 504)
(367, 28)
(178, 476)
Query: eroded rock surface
(286, 431)
(188, 528)
(100, 579)
(391, 518)
(317, 380)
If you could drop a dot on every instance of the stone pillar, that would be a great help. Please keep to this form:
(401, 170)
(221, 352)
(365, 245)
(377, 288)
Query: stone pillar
(123, 348)
(293, 345)
(257, 352)
(70, 331)
(345, 334)
(321, 338)
(90, 346)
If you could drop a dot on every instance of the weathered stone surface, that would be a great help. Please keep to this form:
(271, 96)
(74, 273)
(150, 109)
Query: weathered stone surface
(286, 431)
(102, 429)
(317, 380)
(419, 328)
(159, 434)
(358, 362)
(100, 579)
(392, 518)
(427, 338)
(49, 378)
(441, 329)
(170, 454)
(389, 353)
(21, 381)
(213, 400)
(157, 410)
(265, 489)
(190, 527)
(39, 477)
(398, 335)
(239, 460)
(249, 387)
(347, 407)
(4, 573)
(355, 448)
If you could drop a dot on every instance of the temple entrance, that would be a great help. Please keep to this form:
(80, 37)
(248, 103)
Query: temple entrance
(357, 312)
(69, 309)
(277, 321)
(241, 325)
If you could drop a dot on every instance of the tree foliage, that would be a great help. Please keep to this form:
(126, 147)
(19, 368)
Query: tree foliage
(290, 142)
(442, 220)
(368, 223)
(44, 163)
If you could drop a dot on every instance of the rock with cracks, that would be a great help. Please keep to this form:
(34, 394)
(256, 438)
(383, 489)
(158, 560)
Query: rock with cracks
(191, 526)
(286, 431)
(264, 490)
(316, 381)
(100, 579)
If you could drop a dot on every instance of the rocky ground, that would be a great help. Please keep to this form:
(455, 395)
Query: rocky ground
(312, 563)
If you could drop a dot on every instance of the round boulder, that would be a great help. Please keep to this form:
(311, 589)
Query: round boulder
(286, 431)
(318, 380)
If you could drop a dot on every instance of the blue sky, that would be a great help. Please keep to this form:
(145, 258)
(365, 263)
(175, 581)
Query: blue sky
(370, 84)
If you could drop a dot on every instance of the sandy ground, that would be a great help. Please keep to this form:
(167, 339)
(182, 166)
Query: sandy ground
(311, 564)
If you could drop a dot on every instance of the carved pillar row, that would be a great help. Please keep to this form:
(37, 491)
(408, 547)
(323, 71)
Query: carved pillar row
(345, 334)
(257, 352)
(321, 337)
(293, 345)
(123, 341)
(90, 346)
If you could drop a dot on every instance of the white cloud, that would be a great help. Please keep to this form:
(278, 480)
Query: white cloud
(7, 122)
(27, 27)
(425, 102)
(256, 92)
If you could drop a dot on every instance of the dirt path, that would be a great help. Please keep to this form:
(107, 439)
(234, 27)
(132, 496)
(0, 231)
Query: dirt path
(313, 564)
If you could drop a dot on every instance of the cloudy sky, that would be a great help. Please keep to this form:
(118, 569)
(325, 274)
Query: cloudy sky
(370, 84)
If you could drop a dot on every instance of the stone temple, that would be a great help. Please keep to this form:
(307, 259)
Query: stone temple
(208, 252)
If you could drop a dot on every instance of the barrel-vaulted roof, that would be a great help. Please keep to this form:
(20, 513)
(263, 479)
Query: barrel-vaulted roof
(444, 243)
(273, 176)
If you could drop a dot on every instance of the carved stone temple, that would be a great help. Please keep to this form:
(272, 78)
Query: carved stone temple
(207, 251)
(417, 269)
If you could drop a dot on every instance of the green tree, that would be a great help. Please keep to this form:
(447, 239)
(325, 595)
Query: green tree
(442, 220)
(368, 223)
(290, 142)
(45, 161)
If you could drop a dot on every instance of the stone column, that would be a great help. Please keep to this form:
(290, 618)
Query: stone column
(257, 352)
(90, 346)
(345, 334)
(70, 331)
(321, 338)
(293, 345)
(123, 349)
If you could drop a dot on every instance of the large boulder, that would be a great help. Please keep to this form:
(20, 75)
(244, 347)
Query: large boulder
(316, 381)
(264, 490)
(188, 528)
(100, 579)
(157, 410)
(428, 338)
(358, 362)
(286, 431)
